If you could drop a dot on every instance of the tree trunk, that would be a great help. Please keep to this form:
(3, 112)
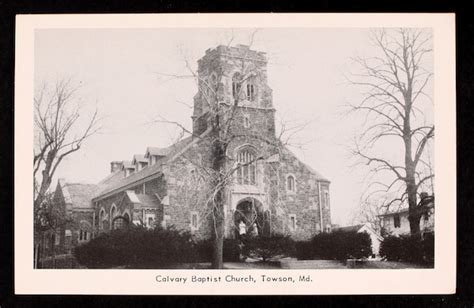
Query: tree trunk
(218, 253)
(410, 169)
(218, 202)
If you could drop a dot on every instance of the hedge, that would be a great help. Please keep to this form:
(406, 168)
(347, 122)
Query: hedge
(137, 247)
(409, 248)
(337, 245)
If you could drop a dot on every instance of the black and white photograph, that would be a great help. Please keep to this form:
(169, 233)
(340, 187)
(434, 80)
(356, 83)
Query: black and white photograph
(251, 150)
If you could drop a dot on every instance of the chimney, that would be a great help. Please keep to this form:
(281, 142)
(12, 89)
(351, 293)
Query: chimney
(115, 166)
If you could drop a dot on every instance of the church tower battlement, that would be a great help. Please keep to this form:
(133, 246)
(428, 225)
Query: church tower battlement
(232, 76)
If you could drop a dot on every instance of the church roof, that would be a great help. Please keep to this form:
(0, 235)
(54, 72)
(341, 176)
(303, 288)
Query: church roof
(318, 175)
(121, 182)
(77, 194)
(147, 201)
(139, 158)
(126, 164)
(157, 151)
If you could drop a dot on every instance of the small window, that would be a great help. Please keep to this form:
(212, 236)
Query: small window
(290, 183)
(250, 92)
(194, 221)
(326, 198)
(236, 85)
(328, 228)
(150, 220)
(426, 216)
(246, 122)
(292, 222)
(80, 235)
(56, 239)
(396, 221)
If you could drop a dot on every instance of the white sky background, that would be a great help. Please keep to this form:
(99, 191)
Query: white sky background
(118, 69)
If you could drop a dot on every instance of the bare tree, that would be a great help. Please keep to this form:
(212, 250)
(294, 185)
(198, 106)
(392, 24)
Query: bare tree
(210, 183)
(58, 132)
(395, 103)
(369, 212)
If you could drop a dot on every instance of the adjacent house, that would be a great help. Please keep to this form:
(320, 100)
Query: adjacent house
(375, 238)
(397, 223)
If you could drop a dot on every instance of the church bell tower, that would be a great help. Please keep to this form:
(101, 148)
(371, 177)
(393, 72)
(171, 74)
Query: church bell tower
(234, 77)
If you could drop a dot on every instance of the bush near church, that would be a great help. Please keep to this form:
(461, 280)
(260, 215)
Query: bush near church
(137, 247)
(231, 250)
(266, 247)
(337, 245)
(409, 248)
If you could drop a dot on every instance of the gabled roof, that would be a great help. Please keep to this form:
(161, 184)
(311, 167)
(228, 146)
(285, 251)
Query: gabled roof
(77, 194)
(139, 158)
(148, 201)
(127, 165)
(157, 151)
(358, 228)
(353, 228)
(318, 175)
(145, 172)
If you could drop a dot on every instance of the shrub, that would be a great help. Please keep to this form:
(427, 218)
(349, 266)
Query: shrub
(136, 247)
(231, 250)
(409, 248)
(338, 245)
(267, 247)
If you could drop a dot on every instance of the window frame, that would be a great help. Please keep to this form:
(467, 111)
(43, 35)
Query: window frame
(396, 221)
(292, 189)
(194, 227)
(293, 225)
(247, 171)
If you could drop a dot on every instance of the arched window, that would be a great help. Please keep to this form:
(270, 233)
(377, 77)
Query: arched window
(119, 222)
(250, 90)
(290, 183)
(101, 218)
(113, 211)
(396, 221)
(236, 85)
(246, 121)
(326, 198)
(247, 172)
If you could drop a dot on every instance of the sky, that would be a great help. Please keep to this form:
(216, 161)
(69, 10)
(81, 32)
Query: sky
(121, 74)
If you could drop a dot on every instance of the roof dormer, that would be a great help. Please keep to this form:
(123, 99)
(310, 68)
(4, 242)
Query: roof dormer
(128, 168)
(153, 154)
(139, 161)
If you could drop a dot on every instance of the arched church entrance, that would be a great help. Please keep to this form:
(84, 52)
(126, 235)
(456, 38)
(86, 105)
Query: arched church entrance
(250, 218)
(120, 222)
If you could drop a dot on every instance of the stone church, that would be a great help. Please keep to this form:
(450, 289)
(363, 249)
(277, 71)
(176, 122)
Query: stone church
(267, 189)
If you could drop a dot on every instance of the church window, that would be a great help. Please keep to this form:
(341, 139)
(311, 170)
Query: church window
(101, 218)
(396, 221)
(194, 220)
(292, 222)
(246, 122)
(250, 92)
(236, 85)
(247, 172)
(113, 211)
(326, 198)
(290, 183)
(328, 228)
